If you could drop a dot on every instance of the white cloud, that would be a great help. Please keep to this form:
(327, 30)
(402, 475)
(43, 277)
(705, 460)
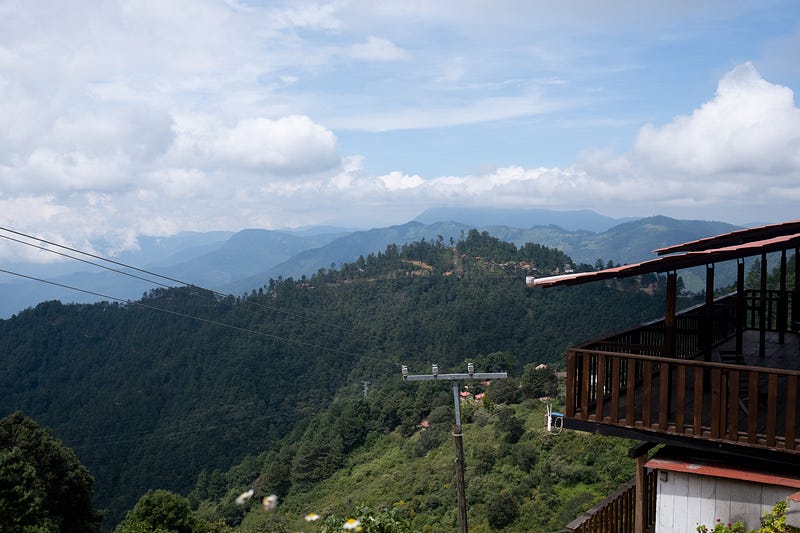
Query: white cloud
(397, 180)
(291, 145)
(750, 127)
(531, 102)
(177, 184)
(377, 49)
(320, 16)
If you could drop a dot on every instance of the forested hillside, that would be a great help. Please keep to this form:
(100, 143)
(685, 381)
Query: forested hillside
(519, 477)
(184, 381)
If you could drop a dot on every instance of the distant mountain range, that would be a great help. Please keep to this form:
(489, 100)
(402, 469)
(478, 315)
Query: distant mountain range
(522, 218)
(236, 263)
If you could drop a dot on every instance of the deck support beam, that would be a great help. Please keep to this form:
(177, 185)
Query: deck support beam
(783, 302)
(762, 310)
(670, 310)
(740, 305)
(796, 294)
(708, 331)
(640, 507)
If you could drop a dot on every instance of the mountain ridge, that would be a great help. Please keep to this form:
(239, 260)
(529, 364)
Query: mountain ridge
(240, 262)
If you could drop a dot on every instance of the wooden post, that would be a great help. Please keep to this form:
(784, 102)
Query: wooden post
(642, 496)
(640, 510)
(783, 301)
(762, 310)
(740, 305)
(707, 332)
(460, 484)
(669, 315)
(796, 295)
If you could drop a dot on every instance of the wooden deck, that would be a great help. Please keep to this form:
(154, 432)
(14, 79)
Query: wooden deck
(750, 403)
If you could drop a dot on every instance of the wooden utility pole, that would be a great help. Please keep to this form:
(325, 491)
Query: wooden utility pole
(457, 433)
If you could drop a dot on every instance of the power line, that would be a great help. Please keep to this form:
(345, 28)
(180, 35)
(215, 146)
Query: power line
(148, 434)
(200, 319)
(85, 261)
(168, 278)
(155, 282)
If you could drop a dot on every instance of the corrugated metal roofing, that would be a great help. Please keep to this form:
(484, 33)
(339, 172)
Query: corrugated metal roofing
(669, 263)
(735, 237)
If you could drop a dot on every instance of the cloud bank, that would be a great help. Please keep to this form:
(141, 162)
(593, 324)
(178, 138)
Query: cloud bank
(145, 122)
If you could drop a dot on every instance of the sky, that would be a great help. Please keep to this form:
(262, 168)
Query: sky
(123, 118)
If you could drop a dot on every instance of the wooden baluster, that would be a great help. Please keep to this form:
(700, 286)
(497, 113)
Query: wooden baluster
(680, 400)
(602, 360)
(697, 415)
(752, 407)
(791, 411)
(631, 392)
(615, 386)
(716, 375)
(663, 396)
(772, 408)
(733, 405)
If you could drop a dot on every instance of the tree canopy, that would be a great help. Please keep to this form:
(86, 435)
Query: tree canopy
(43, 485)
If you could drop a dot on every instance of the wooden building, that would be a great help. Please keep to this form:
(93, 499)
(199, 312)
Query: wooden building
(716, 385)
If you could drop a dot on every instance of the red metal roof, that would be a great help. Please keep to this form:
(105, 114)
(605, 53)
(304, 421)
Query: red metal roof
(735, 237)
(724, 470)
(669, 263)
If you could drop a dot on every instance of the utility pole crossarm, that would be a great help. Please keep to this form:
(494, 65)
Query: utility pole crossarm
(455, 377)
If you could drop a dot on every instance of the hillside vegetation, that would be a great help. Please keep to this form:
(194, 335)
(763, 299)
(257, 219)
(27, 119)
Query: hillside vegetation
(168, 392)
(519, 477)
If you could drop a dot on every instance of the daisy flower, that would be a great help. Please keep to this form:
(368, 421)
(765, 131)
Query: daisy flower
(351, 523)
(312, 517)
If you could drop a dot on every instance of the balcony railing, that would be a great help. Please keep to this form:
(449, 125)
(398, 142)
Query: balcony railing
(617, 513)
(630, 380)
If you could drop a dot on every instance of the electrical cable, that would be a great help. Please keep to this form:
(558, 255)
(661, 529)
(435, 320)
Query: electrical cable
(155, 282)
(86, 261)
(168, 278)
(192, 317)
(144, 435)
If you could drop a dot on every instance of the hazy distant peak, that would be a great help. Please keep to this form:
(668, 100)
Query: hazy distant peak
(575, 220)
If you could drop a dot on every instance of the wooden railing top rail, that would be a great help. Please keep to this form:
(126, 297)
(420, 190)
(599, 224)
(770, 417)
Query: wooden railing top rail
(689, 362)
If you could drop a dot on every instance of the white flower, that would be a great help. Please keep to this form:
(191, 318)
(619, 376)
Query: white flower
(243, 497)
(351, 523)
(312, 517)
(269, 502)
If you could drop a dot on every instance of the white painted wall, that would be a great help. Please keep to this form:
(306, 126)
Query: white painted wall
(684, 501)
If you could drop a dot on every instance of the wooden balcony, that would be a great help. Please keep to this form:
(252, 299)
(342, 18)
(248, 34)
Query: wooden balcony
(708, 379)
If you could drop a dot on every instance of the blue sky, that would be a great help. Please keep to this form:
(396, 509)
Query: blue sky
(151, 117)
